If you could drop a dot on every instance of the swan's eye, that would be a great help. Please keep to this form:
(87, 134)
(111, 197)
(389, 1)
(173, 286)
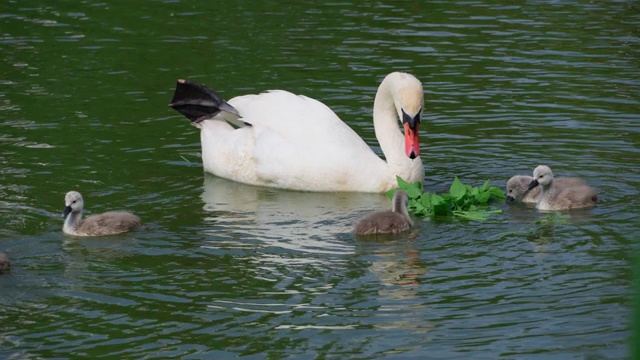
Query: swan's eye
(73, 202)
(510, 191)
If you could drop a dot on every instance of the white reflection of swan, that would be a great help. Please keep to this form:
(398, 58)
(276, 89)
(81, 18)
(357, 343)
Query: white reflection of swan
(314, 229)
(303, 221)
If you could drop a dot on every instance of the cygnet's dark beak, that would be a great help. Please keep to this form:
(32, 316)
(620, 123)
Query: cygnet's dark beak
(66, 212)
(509, 199)
(533, 184)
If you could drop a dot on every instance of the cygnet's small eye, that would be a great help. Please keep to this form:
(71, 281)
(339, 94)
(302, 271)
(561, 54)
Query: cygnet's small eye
(510, 191)
(74, 201)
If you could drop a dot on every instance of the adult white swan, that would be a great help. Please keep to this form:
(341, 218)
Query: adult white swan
(288, 141)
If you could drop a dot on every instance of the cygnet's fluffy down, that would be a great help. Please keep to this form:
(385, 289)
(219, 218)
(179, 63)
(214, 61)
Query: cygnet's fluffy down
(109, 223)
(554, 197)
(518, 188)
(387, 222)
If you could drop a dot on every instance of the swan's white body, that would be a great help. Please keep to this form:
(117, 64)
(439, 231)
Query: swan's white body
(295, 142)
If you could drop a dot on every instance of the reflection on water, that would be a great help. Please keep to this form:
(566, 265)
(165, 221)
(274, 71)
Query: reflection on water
(317, 227)
(302, 221)
(397, 264)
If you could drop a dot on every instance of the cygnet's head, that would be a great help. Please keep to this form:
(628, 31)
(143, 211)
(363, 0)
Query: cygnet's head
(73, 203)
(542, 175)
(517, 187)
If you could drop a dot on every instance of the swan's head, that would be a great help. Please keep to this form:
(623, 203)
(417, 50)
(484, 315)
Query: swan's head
(517, 187)
(408, 98)
(73, 203)
(542, 175)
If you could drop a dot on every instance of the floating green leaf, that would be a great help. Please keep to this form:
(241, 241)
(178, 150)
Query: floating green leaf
(457, 189)
(463, 201)
(496, 192)
(482, 197)
(414, 190)
(486, 185)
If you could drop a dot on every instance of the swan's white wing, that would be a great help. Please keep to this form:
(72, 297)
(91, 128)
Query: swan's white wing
(300, 143)
(296, 117)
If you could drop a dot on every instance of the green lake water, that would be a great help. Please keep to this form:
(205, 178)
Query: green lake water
(224, 270)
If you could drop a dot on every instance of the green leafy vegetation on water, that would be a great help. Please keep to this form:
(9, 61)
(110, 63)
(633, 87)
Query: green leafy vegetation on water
(462, 200)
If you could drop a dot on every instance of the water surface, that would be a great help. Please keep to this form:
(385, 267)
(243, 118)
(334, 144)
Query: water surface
(225, 270)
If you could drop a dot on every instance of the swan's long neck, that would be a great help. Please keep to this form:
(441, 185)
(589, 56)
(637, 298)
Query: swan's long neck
(72, 221)
(385, 123)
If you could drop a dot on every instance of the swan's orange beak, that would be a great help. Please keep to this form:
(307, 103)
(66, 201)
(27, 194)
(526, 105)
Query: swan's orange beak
(411, 141)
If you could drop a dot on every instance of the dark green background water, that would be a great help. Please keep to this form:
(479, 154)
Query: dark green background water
(223, 270)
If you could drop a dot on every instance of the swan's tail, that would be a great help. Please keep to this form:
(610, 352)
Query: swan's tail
(198, 103)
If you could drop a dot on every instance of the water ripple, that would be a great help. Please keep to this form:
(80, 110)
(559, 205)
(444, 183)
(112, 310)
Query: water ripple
(508, 86)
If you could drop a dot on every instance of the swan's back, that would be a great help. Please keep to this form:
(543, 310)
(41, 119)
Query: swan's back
(109, 223)
(294, 141)
(296, 117)
(5, 264)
